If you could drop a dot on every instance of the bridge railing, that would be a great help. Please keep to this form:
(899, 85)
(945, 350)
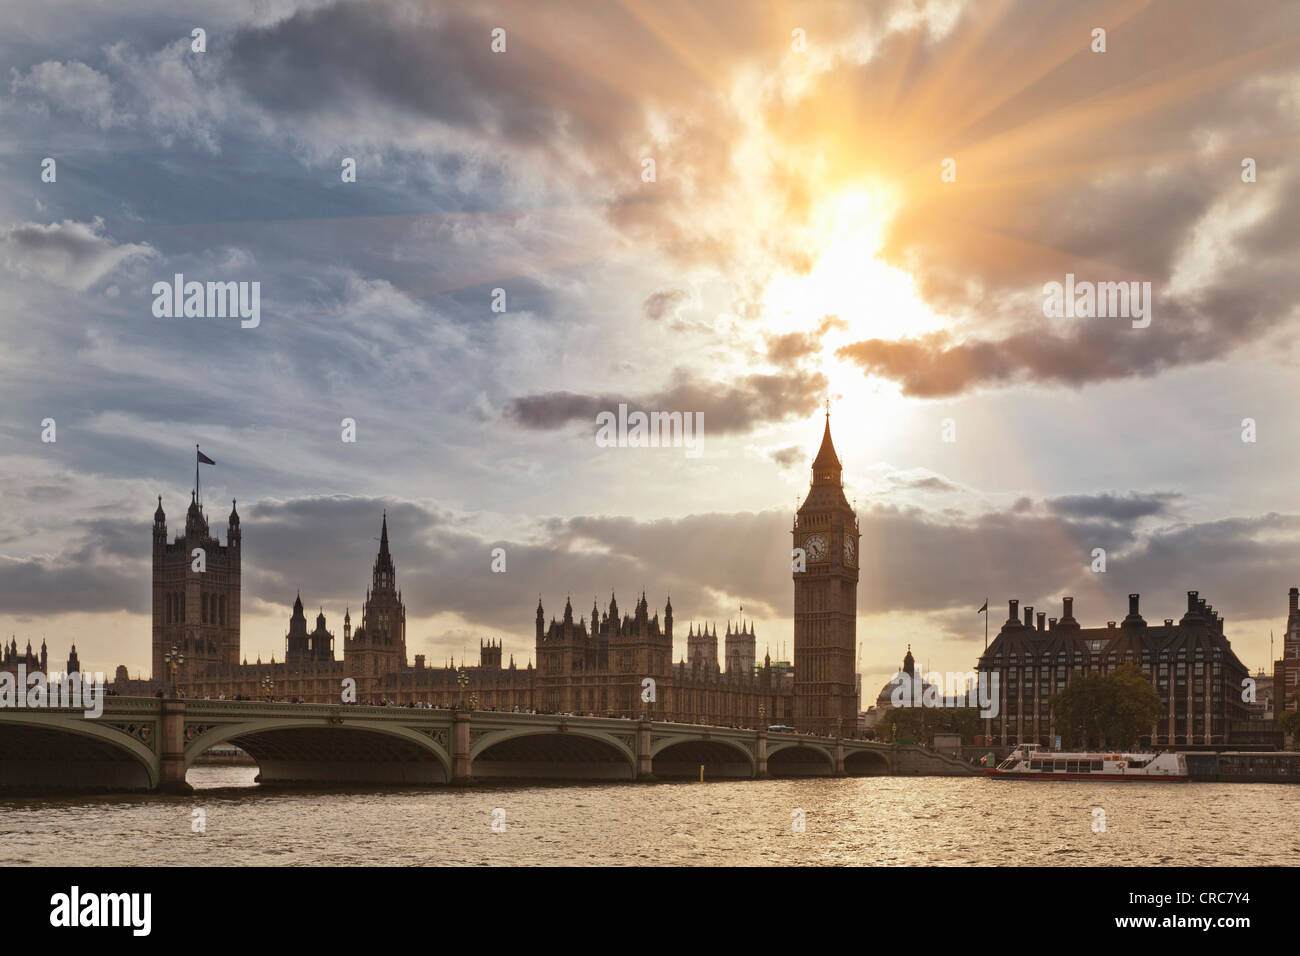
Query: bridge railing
(203, 706)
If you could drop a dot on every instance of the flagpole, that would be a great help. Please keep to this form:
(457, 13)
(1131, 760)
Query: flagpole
(196, 474)
(986, 624)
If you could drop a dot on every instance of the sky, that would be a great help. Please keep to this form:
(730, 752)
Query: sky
(856, 202)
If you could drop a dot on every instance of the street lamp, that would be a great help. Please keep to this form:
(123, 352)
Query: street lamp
(473, 700)
(268, 685)
(175, 660)
(762, 713)
(463, 680)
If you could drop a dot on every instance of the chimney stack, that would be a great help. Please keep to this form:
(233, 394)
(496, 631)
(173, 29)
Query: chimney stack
(1029, 616)
(1013, 611)
(1295, 600)
(1191, 602)
(1133, 605)
(1051, 623)
(1069, 609)
(1042, 620)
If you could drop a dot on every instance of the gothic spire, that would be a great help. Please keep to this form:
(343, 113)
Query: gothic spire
(826, 466)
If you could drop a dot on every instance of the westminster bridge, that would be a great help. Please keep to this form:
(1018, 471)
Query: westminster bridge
(143, 743)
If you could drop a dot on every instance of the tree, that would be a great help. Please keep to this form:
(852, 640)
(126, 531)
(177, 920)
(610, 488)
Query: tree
(1116, 708)
(1132, 706)
(922, 723)
(1076, 708)
(1288, 721)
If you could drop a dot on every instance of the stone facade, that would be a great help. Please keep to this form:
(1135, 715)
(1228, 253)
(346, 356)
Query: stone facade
(1286, 671)
(597, 669)
(1190, 663)
(601, 669)
(826, 602)
(196, 605)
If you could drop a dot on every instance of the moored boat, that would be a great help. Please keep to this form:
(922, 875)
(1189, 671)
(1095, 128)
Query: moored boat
(1032, 762)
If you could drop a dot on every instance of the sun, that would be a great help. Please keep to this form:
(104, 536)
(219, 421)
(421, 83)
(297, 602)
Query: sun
(848, 279)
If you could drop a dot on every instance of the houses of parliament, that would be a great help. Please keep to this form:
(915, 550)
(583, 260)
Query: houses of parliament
(595, 665)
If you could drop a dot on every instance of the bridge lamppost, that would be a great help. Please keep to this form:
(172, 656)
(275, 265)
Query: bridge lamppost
(839, 723)
(762, 713)
(175, 660)
(473, 700)
(463, 680)
(268, 685)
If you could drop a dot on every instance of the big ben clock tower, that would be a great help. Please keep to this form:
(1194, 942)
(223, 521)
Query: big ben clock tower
(826, 602)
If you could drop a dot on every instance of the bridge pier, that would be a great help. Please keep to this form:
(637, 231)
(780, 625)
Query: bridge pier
(644, 760)
(171, 747)
(839, 757)
(460, 771)
(760, 755)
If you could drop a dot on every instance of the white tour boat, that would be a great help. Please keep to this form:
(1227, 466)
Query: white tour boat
(1033, 762)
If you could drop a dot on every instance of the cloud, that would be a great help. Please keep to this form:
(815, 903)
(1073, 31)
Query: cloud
(922, 483)
(1111, 168)
(71, 254)
(106, 570)
(71, 86)
(659, 304)
(789, 456)
(738, 406)
(1120, 509)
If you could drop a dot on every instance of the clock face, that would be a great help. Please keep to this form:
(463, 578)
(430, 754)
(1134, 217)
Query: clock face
(850, 549)
(815, 547)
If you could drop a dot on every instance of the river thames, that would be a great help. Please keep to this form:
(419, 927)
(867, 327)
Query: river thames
(911, 821)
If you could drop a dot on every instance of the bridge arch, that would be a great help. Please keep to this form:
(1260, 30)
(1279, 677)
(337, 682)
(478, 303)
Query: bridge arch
(866, 763)
(719, 756)
(309, 751)
(553, 753)
(71, 752)
(799, 758)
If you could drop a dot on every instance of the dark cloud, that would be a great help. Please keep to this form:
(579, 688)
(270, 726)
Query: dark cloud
(728, 407)
(789, 456)
(939, 365)
(106, 570)
(659, 304)
(929, 483)
(68, 253)
(345, 58)
(790, 349)
(1115, 508)
(793, 347)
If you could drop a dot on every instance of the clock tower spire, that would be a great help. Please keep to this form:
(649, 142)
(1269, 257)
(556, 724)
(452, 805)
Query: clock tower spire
(825, 601)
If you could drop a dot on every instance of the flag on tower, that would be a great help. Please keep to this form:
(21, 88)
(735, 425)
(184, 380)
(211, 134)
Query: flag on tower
(204, 458)
(984, 608)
